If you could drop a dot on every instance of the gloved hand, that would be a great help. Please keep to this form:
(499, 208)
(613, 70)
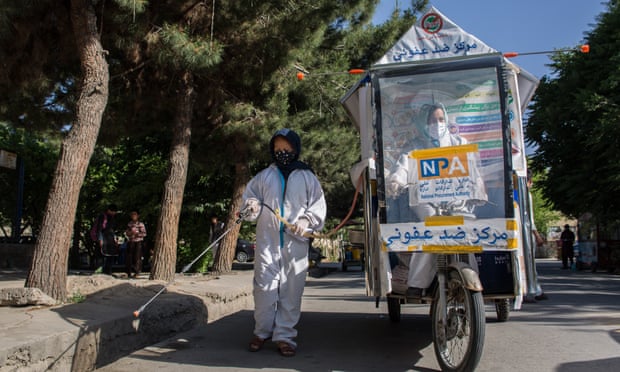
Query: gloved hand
(393, 188)
(251, 209)
(460, 207)
(300, 227)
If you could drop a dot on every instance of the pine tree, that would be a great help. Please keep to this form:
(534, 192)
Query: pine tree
(574, 125)
(325, 39)
(219, 79)
(49, 263)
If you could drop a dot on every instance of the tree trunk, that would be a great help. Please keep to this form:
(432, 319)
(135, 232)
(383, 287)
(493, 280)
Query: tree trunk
(48, 270)
(165, 250)
(226, 252)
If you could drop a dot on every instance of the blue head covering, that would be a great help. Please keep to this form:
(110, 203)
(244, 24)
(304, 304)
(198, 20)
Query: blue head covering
(291, 136)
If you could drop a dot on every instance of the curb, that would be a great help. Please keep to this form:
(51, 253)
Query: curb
(102, 329)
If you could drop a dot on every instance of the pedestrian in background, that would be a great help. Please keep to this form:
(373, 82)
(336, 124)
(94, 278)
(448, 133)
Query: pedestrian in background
(106, 238)
(289, 187)
(136, 231)
(216, 228)
(568, 240)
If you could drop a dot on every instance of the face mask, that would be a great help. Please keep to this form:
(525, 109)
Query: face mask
(437, 130)
(284, 157)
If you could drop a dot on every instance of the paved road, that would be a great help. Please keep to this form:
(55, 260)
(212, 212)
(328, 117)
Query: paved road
(576, 329)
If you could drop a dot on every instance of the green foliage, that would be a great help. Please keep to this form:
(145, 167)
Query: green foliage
(36, 79)
(188, 252)
(180, 51)
(77, 297)
(133, 6)
(544, 215)
(39, 154)
(330, 143)
(244, 57)
(130, 175)
(574, 124)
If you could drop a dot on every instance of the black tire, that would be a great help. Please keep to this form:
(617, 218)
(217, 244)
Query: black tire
(394, 309)
(242, 257)
(502, 309)
(458, 345)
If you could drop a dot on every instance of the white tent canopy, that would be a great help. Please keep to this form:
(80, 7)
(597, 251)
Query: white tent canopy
(436, 37)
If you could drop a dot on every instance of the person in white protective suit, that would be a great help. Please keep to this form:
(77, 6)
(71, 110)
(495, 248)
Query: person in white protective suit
(431, 132)
(289, 187)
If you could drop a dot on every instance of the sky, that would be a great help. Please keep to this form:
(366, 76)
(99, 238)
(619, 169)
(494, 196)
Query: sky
(517, 26)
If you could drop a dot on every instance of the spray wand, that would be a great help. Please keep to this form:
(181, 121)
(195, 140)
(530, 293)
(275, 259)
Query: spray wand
(242, 215)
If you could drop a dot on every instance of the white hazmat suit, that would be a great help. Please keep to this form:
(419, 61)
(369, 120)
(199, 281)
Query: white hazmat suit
(281, 258)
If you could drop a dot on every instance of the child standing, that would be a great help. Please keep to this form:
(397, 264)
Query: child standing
(136, 231)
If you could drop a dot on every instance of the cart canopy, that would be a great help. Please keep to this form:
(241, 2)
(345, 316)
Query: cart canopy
(436, 38)
(440, 195)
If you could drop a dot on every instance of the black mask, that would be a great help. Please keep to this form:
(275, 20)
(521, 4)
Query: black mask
(284, 157)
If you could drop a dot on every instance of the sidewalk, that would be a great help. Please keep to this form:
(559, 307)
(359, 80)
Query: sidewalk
(102, 328)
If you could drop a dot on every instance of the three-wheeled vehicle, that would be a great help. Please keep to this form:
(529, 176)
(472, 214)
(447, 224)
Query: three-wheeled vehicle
(442, 170)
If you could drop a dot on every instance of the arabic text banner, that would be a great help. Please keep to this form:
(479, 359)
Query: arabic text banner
(441, 234)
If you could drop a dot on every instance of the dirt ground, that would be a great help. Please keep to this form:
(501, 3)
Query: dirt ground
(85, 285)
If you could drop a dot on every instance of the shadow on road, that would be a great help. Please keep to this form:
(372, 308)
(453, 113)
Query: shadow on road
(575, 297)
(327, 342)
(610, 364)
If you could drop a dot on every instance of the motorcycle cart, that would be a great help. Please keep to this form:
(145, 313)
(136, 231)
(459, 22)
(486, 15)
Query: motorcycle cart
(441, 203)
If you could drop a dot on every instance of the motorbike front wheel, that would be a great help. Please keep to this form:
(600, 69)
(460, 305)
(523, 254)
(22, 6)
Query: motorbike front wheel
(458, 341)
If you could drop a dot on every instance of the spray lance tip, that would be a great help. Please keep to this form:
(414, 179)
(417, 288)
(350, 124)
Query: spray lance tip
(356, 71)
(136, 313)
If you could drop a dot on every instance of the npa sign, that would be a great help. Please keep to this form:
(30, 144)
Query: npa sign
(444, 167)
(446, 174)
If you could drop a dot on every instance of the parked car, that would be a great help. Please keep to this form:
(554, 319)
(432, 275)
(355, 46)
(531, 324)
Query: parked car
(245, 250)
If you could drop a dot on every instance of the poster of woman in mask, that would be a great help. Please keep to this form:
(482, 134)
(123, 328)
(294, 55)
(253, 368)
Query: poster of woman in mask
(453, 163)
